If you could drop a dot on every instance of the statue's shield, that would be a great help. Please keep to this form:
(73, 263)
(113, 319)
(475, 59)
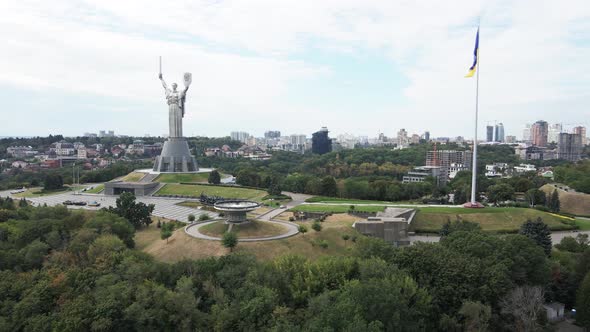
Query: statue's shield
(188, 79)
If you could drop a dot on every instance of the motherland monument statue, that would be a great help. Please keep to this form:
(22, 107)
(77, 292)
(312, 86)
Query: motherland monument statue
(175, 156)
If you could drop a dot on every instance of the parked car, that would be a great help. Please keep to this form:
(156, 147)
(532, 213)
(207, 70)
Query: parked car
(282, 207)
(94, 204)
(79, 203)
(68, 202)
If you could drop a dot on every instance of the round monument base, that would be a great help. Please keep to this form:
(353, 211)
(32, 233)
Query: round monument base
(175, 157)
(236, 210)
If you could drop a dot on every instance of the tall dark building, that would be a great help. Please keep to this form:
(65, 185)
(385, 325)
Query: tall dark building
(489, 133)
(320, 142)
(569, 147)
(272, 134)
(427, 136)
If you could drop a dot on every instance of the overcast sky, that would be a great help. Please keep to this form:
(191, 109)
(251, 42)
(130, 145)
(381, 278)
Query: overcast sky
(359, 67)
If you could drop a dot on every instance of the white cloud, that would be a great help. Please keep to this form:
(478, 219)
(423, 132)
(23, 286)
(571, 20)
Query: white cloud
(243, 55)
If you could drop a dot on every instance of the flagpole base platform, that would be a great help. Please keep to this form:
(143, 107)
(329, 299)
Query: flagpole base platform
(476, 205)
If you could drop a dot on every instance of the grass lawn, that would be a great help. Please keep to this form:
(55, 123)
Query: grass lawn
(335, 208)
(583, 224)
(178, 178)
(97, 189)
(223, 191)
(254, 228)
(182, 246)
(191, 204)
(214, 229)
(431, 219)
(133, 177)
(574, 203)
(324, 199)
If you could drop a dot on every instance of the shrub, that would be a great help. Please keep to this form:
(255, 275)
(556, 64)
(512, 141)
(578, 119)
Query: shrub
(191, 217)
(291, 218)
(204, 216)
(316, 226)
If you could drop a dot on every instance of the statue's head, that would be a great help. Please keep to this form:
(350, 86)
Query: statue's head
(174, 86)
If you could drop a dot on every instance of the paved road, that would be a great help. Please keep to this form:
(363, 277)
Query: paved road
(296, 199)
(164, 207)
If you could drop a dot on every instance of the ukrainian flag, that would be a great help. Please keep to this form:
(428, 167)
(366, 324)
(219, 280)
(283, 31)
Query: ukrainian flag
(475, 53)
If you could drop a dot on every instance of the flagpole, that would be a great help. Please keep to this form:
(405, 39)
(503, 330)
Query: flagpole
(474, 161)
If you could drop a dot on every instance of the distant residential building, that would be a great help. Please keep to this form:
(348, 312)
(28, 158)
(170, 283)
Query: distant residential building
(21, 151)
(19, 164)
(420, 173)
(402, 137)
(103, 133)
(581, 130)
(535, 153)
(496, 170)
(451, 161)
(63, 148)
(272, 134)
(456, 168)
(320, 142)
(553, 133)
(539, 132)
(51, 163)
(415, 139)
(526, 133)
(81, 153)
(241, 136)
(136, 148)
(78, 145)
(523, 168)
(89, 135)
(569, 146)
(426, 136)
(510, 139)
(499, 132)
(490, 133)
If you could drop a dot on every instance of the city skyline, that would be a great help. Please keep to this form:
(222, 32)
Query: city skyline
(353, 66)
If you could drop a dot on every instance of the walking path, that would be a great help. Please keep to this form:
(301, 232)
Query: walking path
(193, 230)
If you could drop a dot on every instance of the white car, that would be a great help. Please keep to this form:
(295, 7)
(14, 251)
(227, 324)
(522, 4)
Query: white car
(282, 207)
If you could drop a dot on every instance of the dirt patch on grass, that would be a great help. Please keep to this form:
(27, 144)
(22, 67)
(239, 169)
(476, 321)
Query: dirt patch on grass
(182, 246)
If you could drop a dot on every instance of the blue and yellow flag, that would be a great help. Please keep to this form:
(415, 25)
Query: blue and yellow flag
(475, 53)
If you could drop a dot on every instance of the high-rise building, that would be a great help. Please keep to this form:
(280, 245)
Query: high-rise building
(447, 159)
(402, 137)
(241, 136)
(569, 146)
(553, 133)
(320, 142)
(272, 134)
(581, 130)
(489, 133)
(427, 136)
(499, 132)
(526, 133)
(510, 139)
(539, 132)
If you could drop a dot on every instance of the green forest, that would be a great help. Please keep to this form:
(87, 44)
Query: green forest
(65, 270)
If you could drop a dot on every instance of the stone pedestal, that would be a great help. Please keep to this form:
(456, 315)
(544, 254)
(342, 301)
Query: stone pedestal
(175, 157)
